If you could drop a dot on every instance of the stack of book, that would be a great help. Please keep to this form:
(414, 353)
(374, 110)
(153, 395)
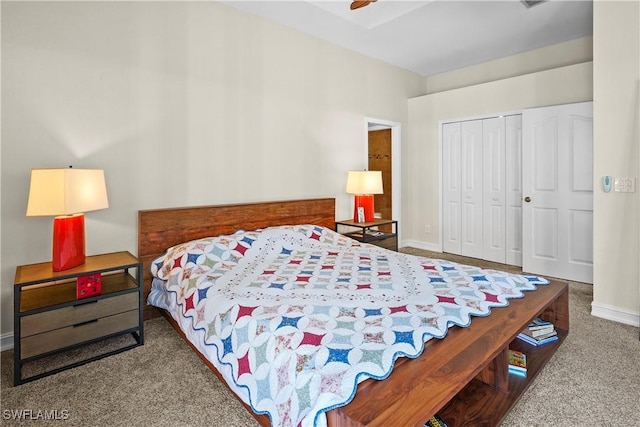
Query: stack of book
(435, 421)
(517, 363)
(539, 332)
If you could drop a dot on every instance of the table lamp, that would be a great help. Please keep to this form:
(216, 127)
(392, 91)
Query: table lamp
(363, 185)
(66, 194)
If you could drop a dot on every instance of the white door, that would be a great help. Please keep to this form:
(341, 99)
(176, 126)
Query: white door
(493, 194)
(557, 183)
(513, 186)
(481, 187)
(451, 188)
(471, 190)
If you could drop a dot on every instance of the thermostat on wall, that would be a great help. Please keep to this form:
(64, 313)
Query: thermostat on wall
(624, 185)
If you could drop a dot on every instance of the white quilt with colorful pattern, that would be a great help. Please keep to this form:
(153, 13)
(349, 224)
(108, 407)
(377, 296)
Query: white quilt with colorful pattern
(295, 317)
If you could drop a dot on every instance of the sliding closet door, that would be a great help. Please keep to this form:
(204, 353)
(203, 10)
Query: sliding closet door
(451, 188)
(482, 189)
(493, 194)
(502, 185)
(462, 188)
(513, 196)
(471, 191)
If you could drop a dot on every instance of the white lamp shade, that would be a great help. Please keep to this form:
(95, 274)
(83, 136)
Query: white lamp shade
(68, 191)
(364, 182)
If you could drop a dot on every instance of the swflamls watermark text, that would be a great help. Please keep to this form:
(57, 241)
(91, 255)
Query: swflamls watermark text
(35, 414)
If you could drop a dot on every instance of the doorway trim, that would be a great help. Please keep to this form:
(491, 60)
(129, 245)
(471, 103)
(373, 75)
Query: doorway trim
(396, 171)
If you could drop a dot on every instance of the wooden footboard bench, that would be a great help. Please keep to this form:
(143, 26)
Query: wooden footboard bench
(463, 377)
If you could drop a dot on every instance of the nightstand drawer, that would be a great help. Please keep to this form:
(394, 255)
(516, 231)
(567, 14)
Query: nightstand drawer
(73, 315)
(81, 332)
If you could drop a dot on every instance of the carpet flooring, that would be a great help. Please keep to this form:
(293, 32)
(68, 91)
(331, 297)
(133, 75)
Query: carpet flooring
(593, 379)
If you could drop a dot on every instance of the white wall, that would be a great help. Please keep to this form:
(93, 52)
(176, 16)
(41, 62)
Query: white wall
(559, 55)
(181, 104)
(616, 96)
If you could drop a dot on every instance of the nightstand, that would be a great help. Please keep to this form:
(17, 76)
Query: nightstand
(49, 319)
(368, 232)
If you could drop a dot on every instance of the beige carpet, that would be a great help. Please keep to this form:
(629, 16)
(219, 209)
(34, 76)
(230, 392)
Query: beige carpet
(593, 379)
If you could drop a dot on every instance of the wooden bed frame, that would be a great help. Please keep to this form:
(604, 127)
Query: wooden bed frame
(463, 377)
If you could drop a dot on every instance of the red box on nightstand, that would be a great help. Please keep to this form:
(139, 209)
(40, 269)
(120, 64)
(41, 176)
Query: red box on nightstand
(89, 285)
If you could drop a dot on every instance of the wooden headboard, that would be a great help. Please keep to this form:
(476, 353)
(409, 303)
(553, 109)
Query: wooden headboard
(159, 229)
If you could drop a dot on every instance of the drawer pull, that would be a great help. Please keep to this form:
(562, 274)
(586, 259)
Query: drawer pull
(84, 323)
(85, 303)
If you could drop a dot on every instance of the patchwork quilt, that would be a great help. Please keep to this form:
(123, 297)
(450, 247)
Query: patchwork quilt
(295, 317)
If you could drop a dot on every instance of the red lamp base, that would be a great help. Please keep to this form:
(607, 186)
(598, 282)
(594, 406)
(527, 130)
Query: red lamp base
(68, 242)
(365, 202)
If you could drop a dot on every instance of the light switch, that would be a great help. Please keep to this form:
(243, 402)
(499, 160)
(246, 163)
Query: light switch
(624, 185)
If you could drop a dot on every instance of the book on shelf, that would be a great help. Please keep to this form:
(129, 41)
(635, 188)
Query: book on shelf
(518, 373)
(537, 341)
(436, 421)
(539, 337)
(539, 323)
(539, 332)
(517, 363)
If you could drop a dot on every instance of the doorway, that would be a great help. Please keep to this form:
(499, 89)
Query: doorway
(389, 203)
(380, 160)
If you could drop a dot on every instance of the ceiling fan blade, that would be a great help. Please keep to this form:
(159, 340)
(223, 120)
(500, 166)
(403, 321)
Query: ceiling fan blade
(357, 4)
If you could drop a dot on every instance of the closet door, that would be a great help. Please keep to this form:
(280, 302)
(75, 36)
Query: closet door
(482, 189)
(471, 191)
(558, 188)
(513, 170)
(451, 188)
(493, 194)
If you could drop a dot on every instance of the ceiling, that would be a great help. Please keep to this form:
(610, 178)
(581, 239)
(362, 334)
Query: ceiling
(432, 36)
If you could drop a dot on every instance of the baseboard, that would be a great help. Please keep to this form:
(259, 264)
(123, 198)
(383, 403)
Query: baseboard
(6, 341)
(616, 314)
(421, 245)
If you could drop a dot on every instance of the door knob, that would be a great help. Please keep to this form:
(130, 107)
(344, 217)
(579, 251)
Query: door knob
(527, 199)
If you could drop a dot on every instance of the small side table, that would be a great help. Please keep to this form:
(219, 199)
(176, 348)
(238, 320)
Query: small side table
(50, 319)
(368, 232)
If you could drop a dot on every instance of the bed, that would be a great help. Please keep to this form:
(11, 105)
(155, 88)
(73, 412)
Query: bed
(462, 377)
